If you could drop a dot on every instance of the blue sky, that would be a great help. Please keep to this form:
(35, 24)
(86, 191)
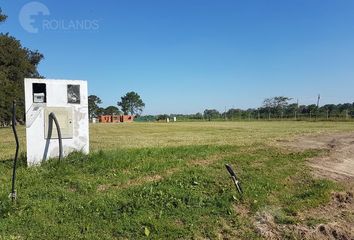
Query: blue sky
(188, 55)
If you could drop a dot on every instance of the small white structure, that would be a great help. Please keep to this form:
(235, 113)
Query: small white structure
(174, 119)
(68, 100)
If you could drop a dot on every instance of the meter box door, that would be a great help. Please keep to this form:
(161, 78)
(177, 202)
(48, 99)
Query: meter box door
(68, 100)
(64, 116)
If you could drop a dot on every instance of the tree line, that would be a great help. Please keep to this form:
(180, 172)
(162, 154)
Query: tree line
(272, 108)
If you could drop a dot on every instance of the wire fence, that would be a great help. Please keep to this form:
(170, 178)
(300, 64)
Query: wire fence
(269, 116)
(347, 116)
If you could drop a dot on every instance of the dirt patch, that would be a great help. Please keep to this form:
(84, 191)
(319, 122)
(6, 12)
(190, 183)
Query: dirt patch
(337, 163)
(335, 220)
(343, 198)
(339, 213)
(266, 227)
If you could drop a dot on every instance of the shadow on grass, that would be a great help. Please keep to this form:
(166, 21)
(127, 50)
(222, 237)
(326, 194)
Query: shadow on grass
(21, 161)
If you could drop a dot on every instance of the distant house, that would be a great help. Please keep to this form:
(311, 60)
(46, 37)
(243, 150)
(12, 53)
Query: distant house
(115, 118)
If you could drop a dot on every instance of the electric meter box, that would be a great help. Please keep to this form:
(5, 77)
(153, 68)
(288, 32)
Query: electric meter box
(68, 100)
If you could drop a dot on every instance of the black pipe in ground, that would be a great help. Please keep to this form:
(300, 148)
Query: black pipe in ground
(13, 190)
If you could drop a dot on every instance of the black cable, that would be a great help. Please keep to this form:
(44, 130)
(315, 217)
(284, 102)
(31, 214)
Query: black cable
(53, 117)
(13, 191)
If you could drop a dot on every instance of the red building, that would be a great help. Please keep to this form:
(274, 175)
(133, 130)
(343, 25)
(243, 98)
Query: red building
(115, 118)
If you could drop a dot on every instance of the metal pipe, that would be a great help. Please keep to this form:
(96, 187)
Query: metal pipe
(54, 118)
(234, 179)
(13, 190)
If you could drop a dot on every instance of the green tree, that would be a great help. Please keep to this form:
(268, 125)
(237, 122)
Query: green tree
(291, 109)
(131, 103)
(2, 16)
(331, 109)
(93, 102)
(198, 116)
(100, 111)
(276, 105)
(112, 110)
(16, 63)
(344, 107)
(312, 108)
(211, 113)
(234, 113)
(162, 117)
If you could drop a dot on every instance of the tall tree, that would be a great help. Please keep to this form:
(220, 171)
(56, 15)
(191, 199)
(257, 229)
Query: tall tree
(231, 113)
(211, 113)
(93, 102)
(131, 103)
(16, 63)
(291, 109)
(162, 117)
(112, 110)
(276, 105)
(2, 16)
(312, 108)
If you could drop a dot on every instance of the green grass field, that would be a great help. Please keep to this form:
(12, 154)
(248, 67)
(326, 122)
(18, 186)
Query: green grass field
(165, 181)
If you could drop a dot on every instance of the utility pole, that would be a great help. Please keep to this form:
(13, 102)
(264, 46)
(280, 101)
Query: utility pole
(232, 112)
(318, 104)
(297, 109)
(225, 113)
(327, 114)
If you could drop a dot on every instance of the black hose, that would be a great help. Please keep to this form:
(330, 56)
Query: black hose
(13, 190)
(53, 117)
